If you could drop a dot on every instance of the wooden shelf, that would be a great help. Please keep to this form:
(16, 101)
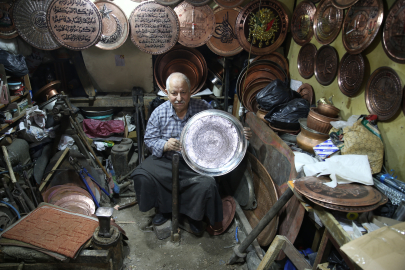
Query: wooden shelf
(22, 114)
(13, 99)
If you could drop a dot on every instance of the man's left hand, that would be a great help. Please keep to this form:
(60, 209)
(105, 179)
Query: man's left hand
(247, 132)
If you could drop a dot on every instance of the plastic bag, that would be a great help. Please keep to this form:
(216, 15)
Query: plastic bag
(15, 64)
(285, 116)
(275, 93)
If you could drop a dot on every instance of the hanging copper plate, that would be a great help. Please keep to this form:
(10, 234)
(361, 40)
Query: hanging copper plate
(198, 3)
(343, 4)
(394, 33)
(307, 92)
(76, 25)
(277, 58)
(262, 34)
(351, 74)
(115, 26)
(306, 60)
(302, 22)
(197, 24)
(383, 93)
(168, 2)
(224, 41)
(183, 66)
(266, 196)
(353, 195)
(154, 28)
(326, 64)
(229, 3)
(7, 23)
(361, 25)
(327, 22)
(30, 20)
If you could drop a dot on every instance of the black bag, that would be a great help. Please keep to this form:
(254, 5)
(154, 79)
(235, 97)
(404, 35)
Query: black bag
(275, 93)
(15, 64)
(286, 116)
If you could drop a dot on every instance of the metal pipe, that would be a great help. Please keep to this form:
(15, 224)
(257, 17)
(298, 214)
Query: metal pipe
(175, 198)
(226, 90)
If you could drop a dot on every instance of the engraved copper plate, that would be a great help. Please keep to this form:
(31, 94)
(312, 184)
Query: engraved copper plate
(77, 203)
(7, 23)
(168, 2)
(351, 74)
(341, 208)
(361, 25)
(115, 26)
(154, 28)
(327, 22)
(213, 142)
(353, 195)
(383, 93)
(229, 3)
(394, 33)
(74, 24)
(302, 22)
(306, 60)
(307, 92)
(262, 26)
(343, 4)
(326, 64)
(198, 3)
(30, 20)
(224, 41)
(197, 24)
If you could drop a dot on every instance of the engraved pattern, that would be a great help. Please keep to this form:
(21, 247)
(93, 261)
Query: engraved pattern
(326, 61)
(351, 74)
(306, 60)
(114, 37)
(302, 22)
(327, 23)
(394, 33)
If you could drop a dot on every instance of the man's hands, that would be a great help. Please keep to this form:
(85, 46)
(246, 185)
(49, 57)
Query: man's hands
(172, 145)
(247, 132)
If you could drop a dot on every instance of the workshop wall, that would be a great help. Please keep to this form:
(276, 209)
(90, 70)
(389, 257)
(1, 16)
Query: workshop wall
(392, 131)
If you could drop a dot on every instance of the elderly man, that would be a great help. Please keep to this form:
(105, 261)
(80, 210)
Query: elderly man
(199, 195)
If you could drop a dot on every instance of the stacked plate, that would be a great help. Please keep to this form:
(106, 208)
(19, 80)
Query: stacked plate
(185, 60)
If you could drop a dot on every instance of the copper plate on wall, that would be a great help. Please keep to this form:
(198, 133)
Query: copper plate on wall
(198, 3)
(343, 4)
(7, 23)
(229, 3)
(168, 2)
(114, 24)
(307, 92)
(326, 64)
(302, 22)
(394, 33)
(197, 24)
(74, 24)
(361, 25)
(306, 60)
(154, 28)
(224, 41)
(351, 74)
(384, 93)
(327, 22)
(255, 38)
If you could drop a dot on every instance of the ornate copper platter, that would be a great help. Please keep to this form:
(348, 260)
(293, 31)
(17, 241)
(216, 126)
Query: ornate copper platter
(224, 41)
(229, 3)
(361, 25)
(302, 22)
(306, 60)
(277, 58)
(327, 22)
(262, 26)
(307, 92)
(341, 208)
(198, 3)
(76, 25)
(353, 195)
(351, 74)
(383, 93)
(168, 2)
(115, 25)
(326, 64)
(197, 24)
(154, 28)
(7, 23)
(394, 33)
(30, 19)
(343, 4)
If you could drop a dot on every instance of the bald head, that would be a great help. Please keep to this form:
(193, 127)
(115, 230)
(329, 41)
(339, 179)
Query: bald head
(177, 78)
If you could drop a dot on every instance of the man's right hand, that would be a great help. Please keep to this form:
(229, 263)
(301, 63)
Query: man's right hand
(172, 145)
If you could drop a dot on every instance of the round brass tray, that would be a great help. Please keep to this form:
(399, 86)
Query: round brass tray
(327, 22)
(394, 34)
(7, 23)
(306, 60)
(302, 22)
(229, 3)
(351, 74)
(326, 64)
(343, 4)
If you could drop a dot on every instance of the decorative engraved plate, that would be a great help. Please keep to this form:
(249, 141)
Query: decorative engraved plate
(302, 23)
(351, 74)
(326, 64)
(327, 22)
(394, 33)
(7, 24)
(306, 60)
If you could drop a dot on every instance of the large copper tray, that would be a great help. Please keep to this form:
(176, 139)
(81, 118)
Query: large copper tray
(394, 34)
(351, 74)
(326, 64)
(302, 22)
(306, 60)
(352, 195)
(327, 22)
(7, 27)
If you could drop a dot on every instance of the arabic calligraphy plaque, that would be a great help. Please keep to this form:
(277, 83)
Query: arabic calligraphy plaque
(351, 74)
(361, 25)
(75, 24)
(198, 3)
(262, 26)
(7, 24)
(326, 64)
(343, 4)
(229, 3)
(383, 93)
(224, 41)
(327, 22)
(394, 33)
(306, 60)
(154, 28)
(302, 22)
(168, 2)
(197, 24)
(115, 26)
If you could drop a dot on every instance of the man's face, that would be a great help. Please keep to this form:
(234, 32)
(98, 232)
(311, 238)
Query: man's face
(179, 94)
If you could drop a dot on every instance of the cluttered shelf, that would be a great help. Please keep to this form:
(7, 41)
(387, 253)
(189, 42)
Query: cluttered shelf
(13, 120)
(13, 99)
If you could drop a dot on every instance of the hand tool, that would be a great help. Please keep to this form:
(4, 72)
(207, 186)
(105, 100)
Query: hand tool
(175, 199)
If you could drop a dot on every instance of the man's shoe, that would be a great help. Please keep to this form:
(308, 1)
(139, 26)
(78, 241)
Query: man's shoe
(196, 226)
(159, 219)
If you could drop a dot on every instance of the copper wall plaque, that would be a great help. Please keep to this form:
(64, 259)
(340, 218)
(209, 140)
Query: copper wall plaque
(30, 19)
(229, 3)
(361, 25)
(343, 4)
(351, 74)
(74, 24)
(262, 26)
(302, 22)
(383, 93)
(197, 24)
(115, 26)
(394, 33)
(327, 22)
(154, 28)
(198, 3)
(306, 60)
(326, 64)
(224, 41)
(168, 2)
(7, 24)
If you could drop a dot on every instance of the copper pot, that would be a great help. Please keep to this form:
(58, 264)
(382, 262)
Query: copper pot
(328, 110)
(319, 122)
(308, 138)
(261, 114)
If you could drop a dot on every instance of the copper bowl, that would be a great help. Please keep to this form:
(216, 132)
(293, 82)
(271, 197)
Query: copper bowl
(261, 114)
(319, 122)
(308, 138)
(328, 110)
